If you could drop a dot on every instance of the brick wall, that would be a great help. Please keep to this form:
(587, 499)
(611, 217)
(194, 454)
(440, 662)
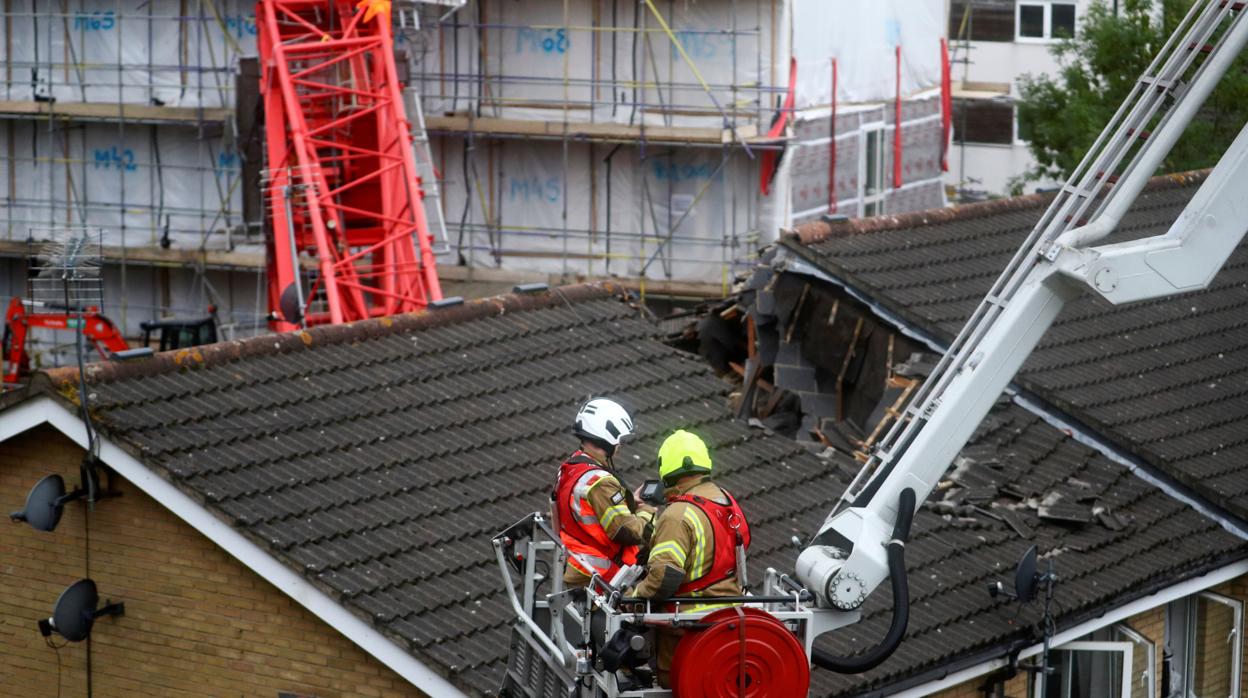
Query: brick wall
(1152, 625)
(197, 621)
(1215, 673)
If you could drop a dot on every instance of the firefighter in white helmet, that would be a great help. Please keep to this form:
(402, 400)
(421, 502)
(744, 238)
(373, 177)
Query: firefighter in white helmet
(598, 520)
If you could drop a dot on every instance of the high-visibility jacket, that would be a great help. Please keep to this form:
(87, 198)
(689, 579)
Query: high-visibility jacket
(590, 549)
(728, 529)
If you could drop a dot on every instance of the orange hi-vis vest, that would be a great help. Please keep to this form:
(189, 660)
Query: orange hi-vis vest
(590, 550)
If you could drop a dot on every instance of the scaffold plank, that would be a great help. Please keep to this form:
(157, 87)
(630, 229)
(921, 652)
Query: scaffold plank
(112, 111)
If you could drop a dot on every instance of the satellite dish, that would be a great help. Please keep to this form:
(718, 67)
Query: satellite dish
(291, 304)
(44, 504)
(1025, 576)
(75, 611)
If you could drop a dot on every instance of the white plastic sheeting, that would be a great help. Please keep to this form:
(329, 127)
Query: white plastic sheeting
(618, 217)
(132, 51)
(525, 59)
(863, 35)
(137, 183)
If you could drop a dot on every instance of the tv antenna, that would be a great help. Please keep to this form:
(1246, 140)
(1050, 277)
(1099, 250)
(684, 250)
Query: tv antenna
(1030, 583)
(66, 273)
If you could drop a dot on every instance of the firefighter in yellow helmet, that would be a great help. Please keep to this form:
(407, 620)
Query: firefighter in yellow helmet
(693, 552)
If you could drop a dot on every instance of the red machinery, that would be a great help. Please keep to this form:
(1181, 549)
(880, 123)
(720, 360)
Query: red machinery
(18, 323)
(171, 333)
(342, 180)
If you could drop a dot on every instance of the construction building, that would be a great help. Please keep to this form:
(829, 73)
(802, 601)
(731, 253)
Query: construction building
(662, 142)
(993, 43)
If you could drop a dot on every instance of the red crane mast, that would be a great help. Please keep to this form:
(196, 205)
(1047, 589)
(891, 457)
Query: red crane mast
(342, 184)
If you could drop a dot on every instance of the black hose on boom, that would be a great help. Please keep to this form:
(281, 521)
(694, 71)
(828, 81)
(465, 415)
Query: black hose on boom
(901, 601)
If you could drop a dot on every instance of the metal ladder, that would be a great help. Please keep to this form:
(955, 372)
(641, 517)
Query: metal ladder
(407, 25)
(427, 172)
(1094, 198)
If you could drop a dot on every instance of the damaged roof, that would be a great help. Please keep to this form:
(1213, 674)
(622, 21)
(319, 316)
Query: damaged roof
(1110, 536)
(378, 458)
(1166, 380)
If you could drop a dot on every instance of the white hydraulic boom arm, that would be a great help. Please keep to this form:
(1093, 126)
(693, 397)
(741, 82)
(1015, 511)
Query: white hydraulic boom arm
(848, 558)
(573, 642)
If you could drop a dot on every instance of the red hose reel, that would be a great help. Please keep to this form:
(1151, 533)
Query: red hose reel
(709, 662)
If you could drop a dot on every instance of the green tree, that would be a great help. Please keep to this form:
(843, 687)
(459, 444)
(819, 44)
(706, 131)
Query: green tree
(1060, 116)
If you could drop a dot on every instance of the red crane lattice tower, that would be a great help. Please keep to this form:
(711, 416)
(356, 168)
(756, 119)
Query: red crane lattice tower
(341, 179)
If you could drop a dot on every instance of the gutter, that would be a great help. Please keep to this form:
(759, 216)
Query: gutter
(44, 410)
(1031, 402)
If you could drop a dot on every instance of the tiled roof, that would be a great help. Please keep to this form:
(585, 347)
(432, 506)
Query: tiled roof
(377, 459)
(1166, 380)
(963, 543)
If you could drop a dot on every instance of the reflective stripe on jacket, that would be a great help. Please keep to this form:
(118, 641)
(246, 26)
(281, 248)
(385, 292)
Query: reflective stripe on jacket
(590, 549)
(714, 555)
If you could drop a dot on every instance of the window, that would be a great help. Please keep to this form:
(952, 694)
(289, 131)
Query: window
(1114, 662)
(981, 20)
(983, 121)
(1143, 661)
(1046, 20)
(873, 172)
(1062, 21)
(1202, 632)
(1088, 669)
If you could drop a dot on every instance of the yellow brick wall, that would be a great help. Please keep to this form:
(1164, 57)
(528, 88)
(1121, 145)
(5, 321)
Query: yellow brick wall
(1212, 676)
(197, 621)
(1152, 625)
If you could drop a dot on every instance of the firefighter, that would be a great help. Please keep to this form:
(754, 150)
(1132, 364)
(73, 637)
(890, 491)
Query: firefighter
(598, 520)
(693, 552)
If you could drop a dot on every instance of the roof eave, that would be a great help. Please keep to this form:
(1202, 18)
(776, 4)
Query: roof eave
(38, 409)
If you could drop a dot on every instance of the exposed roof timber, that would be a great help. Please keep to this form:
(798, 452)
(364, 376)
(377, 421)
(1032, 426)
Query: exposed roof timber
(43, 410)
(1035, 405)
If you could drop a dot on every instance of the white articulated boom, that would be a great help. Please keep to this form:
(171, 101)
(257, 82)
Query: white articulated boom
(861, 543)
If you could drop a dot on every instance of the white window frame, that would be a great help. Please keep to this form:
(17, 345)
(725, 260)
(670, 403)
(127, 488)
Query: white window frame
(1148, 675)
(1123, 647)
(1048, 37)
(1189, 634)
(864, 199)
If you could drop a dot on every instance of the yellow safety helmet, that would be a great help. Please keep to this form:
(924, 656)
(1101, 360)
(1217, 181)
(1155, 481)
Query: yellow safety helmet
(682, 453)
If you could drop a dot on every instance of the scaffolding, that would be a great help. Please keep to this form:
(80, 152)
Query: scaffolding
(120, 115)
(589, 138)
(659, 141)
(640, 139)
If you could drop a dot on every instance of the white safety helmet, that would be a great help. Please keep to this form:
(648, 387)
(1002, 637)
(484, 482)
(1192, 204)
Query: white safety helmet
(605, 421)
